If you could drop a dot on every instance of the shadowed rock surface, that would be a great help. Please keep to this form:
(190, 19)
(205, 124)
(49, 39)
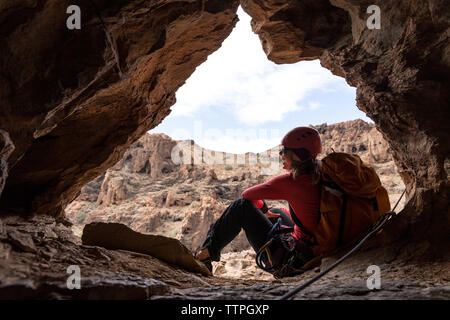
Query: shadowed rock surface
(41, 272)
(124, 73)
(115, 236)
(73, 101)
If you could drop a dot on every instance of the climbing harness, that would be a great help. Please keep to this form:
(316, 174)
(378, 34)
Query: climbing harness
(376, 228)
(282, 255)
(278, 239)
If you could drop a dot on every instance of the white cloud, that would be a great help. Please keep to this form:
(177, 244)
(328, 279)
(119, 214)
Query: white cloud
(240, 78)
(314, 105)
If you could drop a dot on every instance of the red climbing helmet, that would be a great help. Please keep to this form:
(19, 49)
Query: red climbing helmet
(305, 142)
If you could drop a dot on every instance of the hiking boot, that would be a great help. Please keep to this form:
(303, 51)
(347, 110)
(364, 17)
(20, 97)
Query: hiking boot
(207, 261)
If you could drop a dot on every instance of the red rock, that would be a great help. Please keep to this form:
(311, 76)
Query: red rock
(69, 124)
(21, 241)
(74, 101)
(112, 191)
(115, 236)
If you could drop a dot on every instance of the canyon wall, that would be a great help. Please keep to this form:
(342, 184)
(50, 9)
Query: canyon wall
(73, 101)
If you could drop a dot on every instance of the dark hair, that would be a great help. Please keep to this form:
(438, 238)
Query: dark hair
(309, 166)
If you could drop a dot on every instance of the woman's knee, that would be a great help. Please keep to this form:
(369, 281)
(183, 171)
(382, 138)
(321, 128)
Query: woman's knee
(246, 204)
(246, 209)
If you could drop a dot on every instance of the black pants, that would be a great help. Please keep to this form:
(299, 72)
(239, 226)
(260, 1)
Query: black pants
(241, 214)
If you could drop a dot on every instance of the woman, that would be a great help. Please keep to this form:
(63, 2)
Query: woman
(299, 188)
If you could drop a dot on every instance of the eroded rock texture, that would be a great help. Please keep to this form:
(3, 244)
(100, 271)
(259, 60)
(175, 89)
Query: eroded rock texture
(72, 101)
(401, 72)
(35, 255)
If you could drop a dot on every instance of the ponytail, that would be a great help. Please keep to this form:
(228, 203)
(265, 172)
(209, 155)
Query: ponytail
(309, 166)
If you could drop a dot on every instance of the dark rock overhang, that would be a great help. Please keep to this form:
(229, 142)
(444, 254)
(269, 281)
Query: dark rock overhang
(72, 101)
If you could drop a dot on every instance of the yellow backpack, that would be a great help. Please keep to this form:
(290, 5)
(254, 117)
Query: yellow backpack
(352, 200)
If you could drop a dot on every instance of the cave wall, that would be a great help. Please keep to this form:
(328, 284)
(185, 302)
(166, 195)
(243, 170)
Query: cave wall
(401, 72)
(72, 101)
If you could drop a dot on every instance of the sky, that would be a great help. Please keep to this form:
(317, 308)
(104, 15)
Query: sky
(238, 101)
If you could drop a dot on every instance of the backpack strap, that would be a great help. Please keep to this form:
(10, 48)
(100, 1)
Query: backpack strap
(319, 214)
(302, 228)
(342, 219)
(335, 189)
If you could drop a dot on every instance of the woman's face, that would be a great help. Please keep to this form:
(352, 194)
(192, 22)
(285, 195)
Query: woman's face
(287, 156)
(287, 160)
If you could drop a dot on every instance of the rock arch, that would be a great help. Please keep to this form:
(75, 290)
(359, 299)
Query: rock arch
(72, 101)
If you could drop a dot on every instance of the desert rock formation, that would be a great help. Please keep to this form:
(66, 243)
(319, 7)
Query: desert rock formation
(130, 57)
(73, 101)
(116, 236)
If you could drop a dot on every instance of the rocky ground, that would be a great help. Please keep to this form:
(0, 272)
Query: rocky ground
(35, 256)
(63, 126)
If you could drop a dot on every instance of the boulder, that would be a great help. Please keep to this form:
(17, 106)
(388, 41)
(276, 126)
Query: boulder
(115, 236)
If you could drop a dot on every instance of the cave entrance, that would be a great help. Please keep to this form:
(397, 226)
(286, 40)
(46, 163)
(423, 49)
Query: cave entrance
(235, 106)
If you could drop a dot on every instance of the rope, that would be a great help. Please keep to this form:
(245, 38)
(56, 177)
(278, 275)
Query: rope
(386, 217)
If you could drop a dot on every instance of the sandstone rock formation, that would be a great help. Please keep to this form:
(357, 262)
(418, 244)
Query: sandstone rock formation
(73, 101)
(173, 203)
(112, 191)
(140, 53)
(66, 125)
(35, 255)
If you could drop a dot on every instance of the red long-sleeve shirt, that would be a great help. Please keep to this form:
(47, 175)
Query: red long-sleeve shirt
(301, 194)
